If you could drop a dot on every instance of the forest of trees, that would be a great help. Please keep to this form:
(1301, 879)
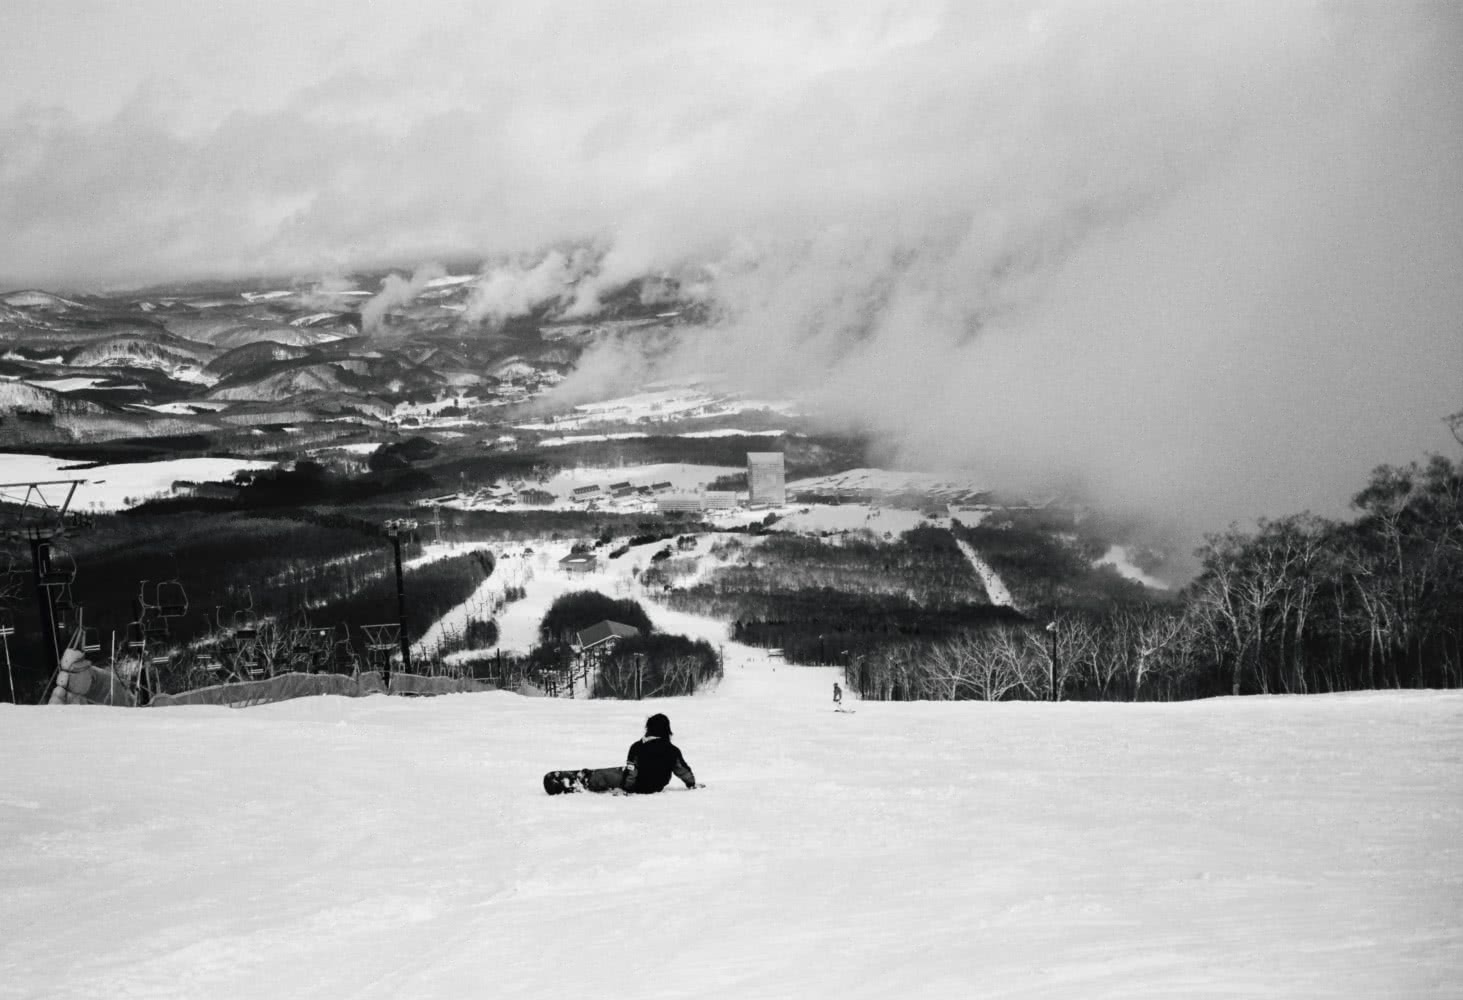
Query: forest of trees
(1299, 604)
(651, 665)
(656, 666)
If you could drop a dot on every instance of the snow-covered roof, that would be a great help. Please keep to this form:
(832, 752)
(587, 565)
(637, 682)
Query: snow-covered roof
(604, 631)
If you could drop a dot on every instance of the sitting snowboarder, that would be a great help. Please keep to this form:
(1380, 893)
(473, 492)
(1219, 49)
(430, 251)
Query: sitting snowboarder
(649, 765)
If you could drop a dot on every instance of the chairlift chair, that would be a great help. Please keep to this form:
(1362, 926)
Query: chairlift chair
(7, 622)
(62, 598)
(58, 568)
(251, 666)
(245, 621)
(171, 599)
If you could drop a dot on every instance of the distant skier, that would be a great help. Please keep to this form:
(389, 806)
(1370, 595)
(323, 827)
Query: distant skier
(837, 695)
(649, 764)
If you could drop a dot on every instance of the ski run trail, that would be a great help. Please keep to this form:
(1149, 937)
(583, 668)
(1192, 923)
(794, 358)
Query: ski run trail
(994, 588)
(387, 848)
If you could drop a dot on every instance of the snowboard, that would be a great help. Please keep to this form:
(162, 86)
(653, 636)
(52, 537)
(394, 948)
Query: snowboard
(559, 782)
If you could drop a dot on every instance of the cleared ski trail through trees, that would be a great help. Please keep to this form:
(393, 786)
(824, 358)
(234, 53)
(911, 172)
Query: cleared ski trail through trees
(382, 848)
(994, 588)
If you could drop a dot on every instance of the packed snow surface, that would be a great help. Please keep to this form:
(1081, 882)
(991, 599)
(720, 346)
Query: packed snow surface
(77, 382)
(125, 484)
(883, 481)
(380, 848)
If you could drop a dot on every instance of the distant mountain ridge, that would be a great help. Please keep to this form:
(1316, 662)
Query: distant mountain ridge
(114, 364)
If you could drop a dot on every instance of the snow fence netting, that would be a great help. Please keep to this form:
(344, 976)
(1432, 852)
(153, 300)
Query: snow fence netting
(283, 687)
(419, 684)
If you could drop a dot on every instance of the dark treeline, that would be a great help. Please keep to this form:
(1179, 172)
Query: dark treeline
(649, 665)
(1307, 604)
(580, 609)
(1300, 604)
(822, 601)
(826, 626)
(147, 449)
(1048, 565)
(923, 565)
(656, 666)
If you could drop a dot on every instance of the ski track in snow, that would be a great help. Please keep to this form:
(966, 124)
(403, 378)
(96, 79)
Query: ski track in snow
(994, 588)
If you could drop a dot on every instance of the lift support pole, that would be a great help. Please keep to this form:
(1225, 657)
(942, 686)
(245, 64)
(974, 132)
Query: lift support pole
(404, 636)
(395, 528)
(43, 606)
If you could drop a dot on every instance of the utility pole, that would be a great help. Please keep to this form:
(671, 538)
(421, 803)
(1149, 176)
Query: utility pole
(395, 528)
(1052, 628)
(40, 555)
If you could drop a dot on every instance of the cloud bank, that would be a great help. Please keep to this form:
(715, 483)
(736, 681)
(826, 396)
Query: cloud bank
(396, 291)
(1198, 259)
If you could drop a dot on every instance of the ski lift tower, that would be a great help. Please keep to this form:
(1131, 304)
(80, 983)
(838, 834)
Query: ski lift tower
(40, 514)
(395, 528)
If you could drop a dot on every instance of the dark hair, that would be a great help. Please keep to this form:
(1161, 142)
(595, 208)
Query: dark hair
(658, 725)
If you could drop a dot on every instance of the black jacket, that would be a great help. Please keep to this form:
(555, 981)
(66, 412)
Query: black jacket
(650, 764)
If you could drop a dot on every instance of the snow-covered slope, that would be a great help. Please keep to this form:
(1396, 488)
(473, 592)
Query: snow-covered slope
(995, 587)
(116, 487)
(280, 385)
(379, 848)
(34, 298)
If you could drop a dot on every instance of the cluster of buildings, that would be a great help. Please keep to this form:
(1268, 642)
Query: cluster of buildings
(766, 481)
(619, 491)
(766, 487)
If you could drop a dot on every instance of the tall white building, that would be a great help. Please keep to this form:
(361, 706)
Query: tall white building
(766, 481)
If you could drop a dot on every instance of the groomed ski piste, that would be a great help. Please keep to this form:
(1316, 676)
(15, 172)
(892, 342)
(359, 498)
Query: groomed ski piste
(1299, 847)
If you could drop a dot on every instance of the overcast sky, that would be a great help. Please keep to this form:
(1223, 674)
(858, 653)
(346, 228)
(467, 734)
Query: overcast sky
(1206, 256)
